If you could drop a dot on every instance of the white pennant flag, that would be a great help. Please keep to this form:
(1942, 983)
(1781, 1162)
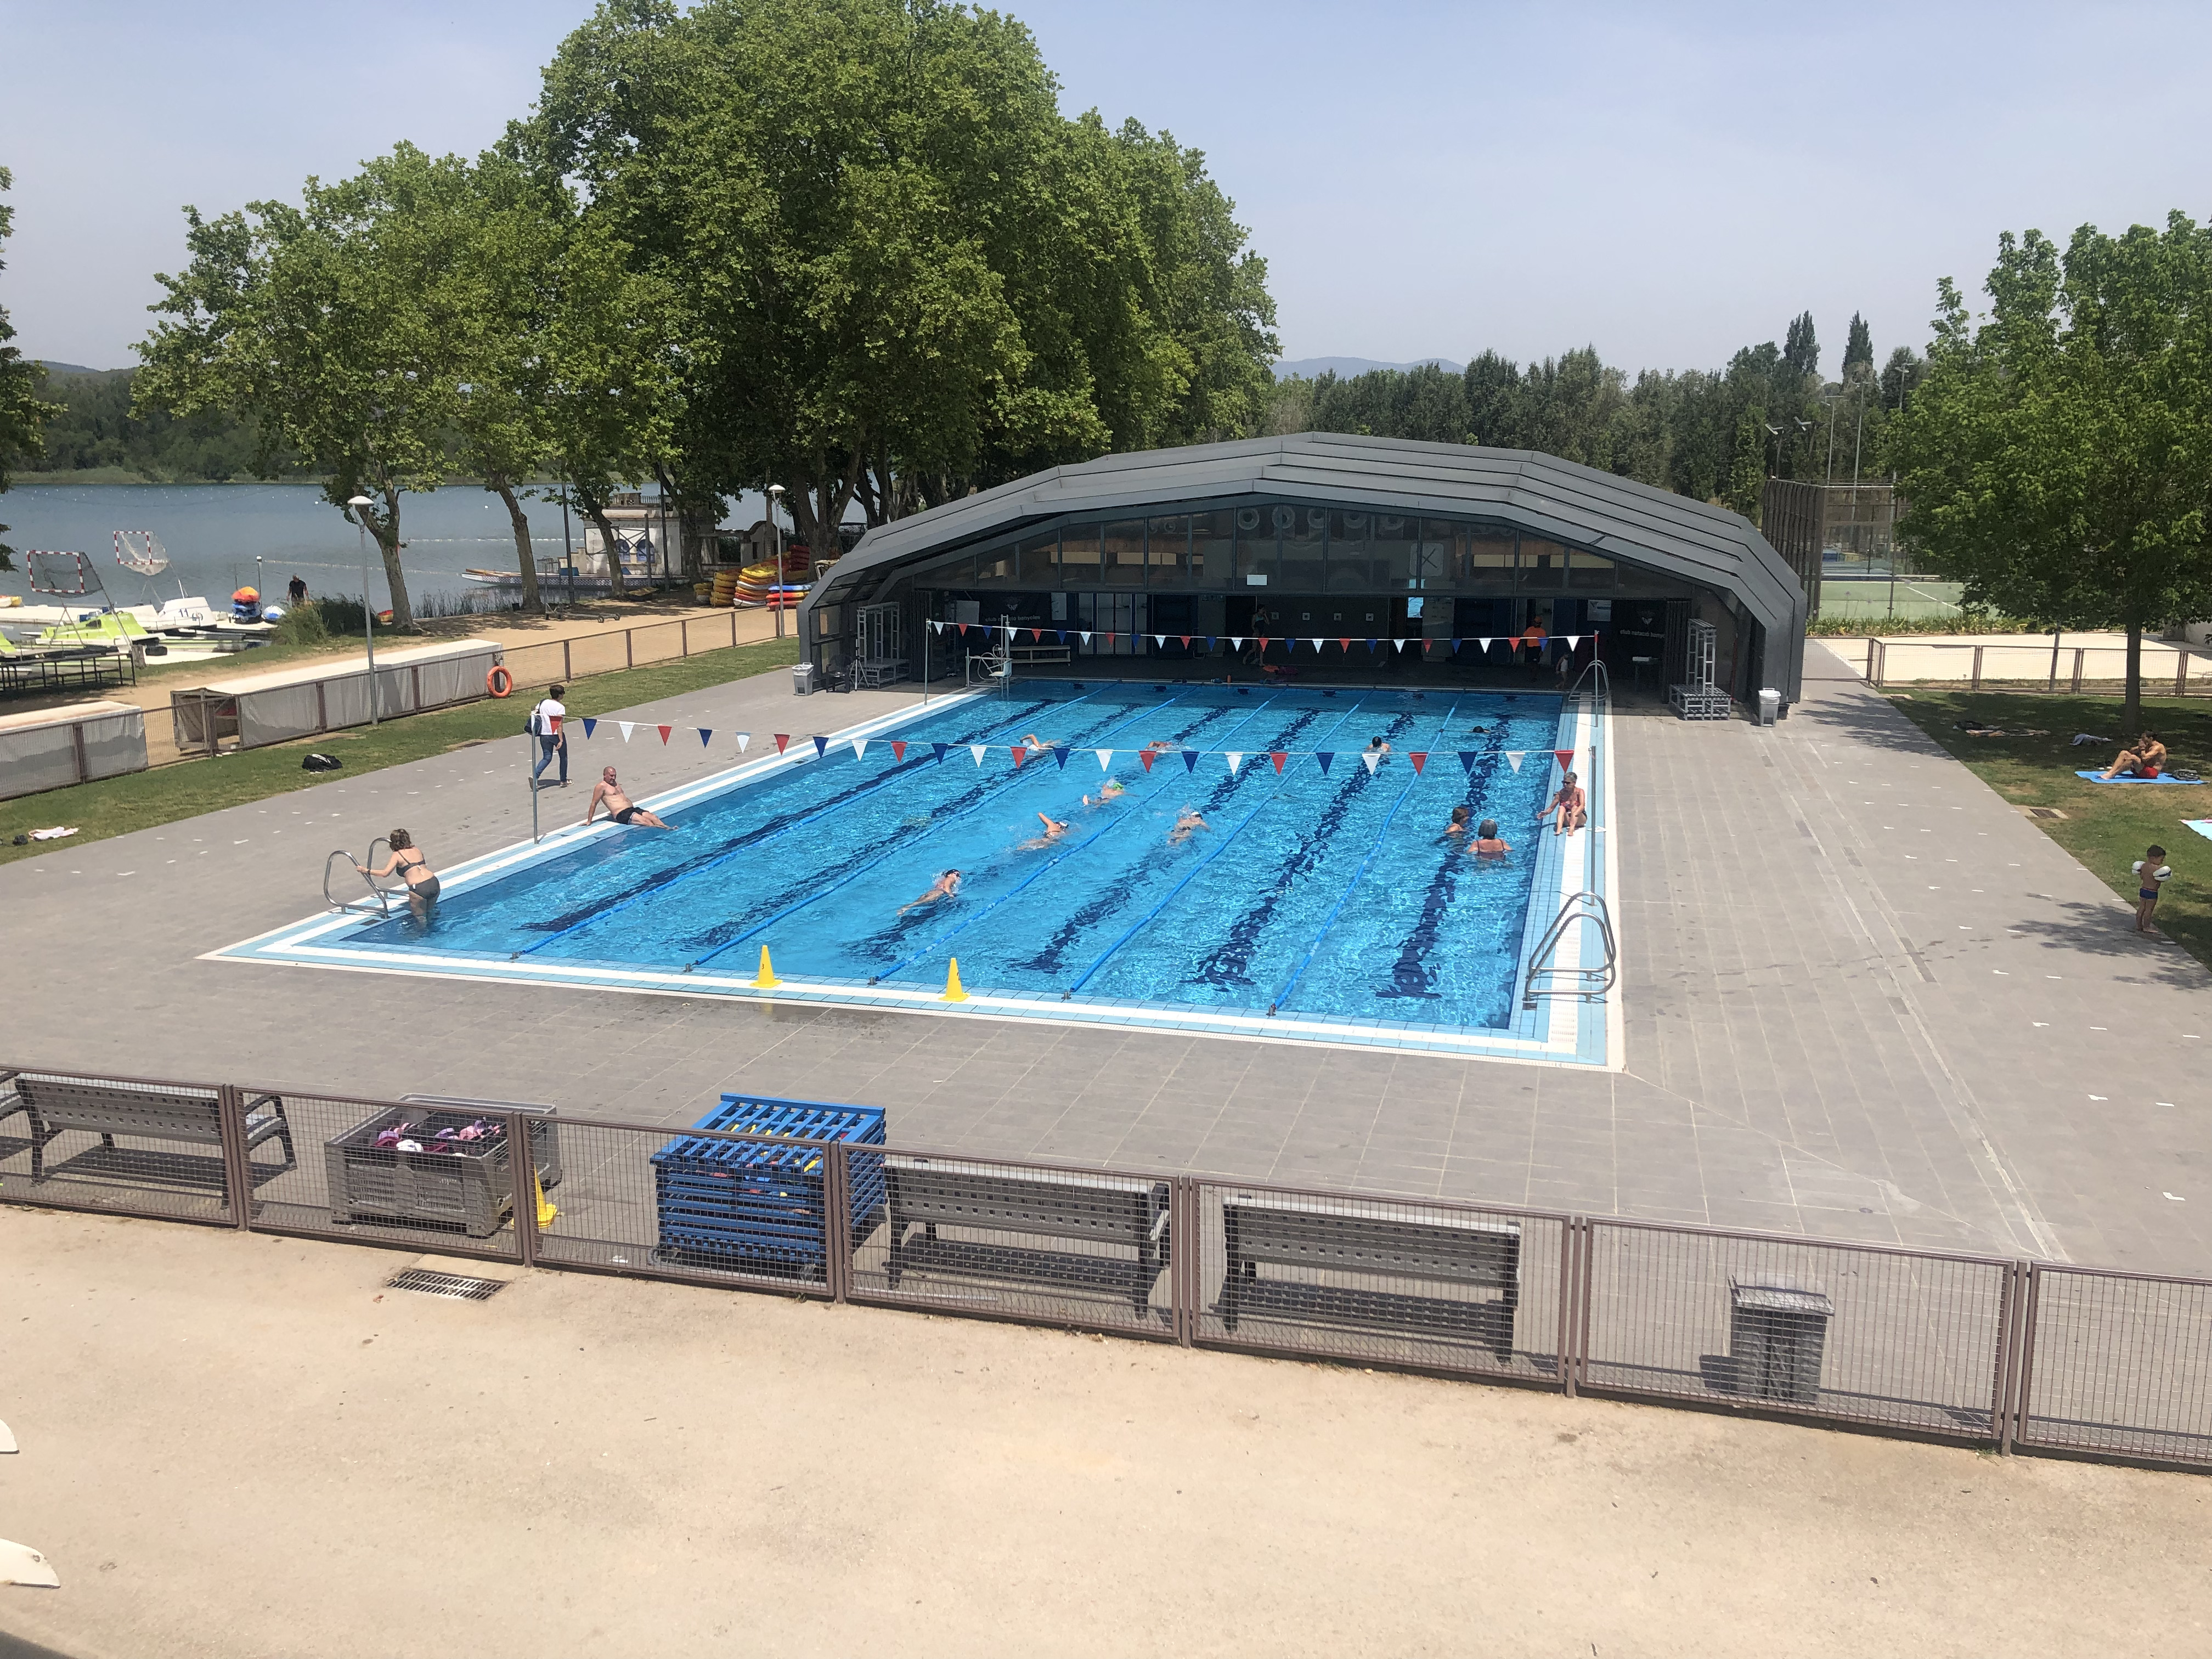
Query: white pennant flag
(627, 728)
(860, 748)
(936, 627)
(1402, 644)
(1085, 638)
(976, 749)
(1316, 646)
(1515, 757)
(1373, 761)
(1159, 639)
(743, 739)
(1573, 639)
(1235, 760)
(1484, 643)
(1236, 641)
(1105, 757)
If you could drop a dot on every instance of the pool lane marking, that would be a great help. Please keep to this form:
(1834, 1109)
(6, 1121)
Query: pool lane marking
(897, 771)
(1352, 886)
(1158, 785)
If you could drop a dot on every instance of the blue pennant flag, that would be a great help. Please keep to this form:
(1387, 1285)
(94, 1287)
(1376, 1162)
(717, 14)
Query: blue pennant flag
(821, 747)
(590, 725)
(1059, 754)
(1209, 643)
(1062, 632)
(705, 732)
(1455, 647)
(939, 750)
(1371, 645)
(1466, 760)
(1190, 760)
(1325, 759)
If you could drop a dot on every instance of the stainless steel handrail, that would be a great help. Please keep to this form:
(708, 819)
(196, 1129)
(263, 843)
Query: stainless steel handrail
(1589, 982)
(382, 896)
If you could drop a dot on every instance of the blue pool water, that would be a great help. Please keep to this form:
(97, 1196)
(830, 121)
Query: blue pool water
(1327, 894)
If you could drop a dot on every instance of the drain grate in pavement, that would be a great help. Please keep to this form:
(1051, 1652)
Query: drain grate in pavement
(423, 1280)
(2043, 811)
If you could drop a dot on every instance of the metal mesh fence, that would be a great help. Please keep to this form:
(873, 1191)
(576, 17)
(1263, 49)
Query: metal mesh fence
(395, 1171)
(1380, 1280)
(1034, 1242)
(630, 1200)
(1887, 1337)
(532, 665)
(2118, 1363)
(126, 1145)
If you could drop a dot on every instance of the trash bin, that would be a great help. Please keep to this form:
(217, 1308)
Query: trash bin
(1778, 1333)
(802, 678)
(1770, 705)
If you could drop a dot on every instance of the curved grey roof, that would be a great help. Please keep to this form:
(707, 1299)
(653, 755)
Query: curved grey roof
(1538, 494)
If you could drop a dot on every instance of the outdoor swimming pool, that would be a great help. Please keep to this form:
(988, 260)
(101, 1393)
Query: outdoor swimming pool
(1320, 901)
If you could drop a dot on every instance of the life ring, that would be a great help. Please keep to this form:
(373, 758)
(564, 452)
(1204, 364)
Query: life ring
(499, 683)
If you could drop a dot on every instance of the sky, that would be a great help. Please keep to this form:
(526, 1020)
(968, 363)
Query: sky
(1666, 183)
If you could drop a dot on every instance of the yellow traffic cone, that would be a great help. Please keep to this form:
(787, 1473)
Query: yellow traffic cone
(766, 978)
(545, 1209)
(952, 991)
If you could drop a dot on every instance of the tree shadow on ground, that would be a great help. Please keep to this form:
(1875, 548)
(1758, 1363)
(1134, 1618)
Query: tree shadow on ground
(2097, 931)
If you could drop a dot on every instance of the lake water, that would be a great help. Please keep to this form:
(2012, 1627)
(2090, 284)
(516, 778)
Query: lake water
(223, 537)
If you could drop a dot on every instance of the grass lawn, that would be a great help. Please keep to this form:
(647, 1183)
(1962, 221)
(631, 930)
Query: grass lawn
(116, 807)
(2107, 826)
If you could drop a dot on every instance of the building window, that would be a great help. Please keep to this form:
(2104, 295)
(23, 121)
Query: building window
(1589, 573)
(1038, 559)
(1484, 559)
(1122, 561)
(1078, 556)
(1214, 548)
(1301, 538)
(1543, 566)
(1167, 551)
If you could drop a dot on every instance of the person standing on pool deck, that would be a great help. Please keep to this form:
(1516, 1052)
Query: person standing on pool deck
(2152, 872)
(2146, 760)
(607, 793)
(1568, 811)
(945, 887)
(422, 885)
(545, 723)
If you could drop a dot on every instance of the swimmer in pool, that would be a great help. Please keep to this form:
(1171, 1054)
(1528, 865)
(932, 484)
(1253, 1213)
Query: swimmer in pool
(1035, 744)
(1459, 825)
(946, 886)
(1486, 844)
(608, 793)
(1376, 746)
(1054, 829)
(1110, 790)
(1187, 825)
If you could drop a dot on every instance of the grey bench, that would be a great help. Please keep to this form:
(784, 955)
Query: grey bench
(1065, 1208)
(144, 1111)
(1419, 1249)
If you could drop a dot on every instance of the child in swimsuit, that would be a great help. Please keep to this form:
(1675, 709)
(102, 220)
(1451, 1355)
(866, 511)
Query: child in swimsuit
(2152, 872)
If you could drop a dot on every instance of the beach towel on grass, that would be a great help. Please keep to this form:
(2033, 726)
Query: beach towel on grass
(2095, 777)
(2201, 826)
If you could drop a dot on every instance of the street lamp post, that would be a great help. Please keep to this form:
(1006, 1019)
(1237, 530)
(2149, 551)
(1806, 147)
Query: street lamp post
(359, 503)
(775, 583)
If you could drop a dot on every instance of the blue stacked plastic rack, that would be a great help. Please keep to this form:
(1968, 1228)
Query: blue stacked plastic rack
(752, 1204)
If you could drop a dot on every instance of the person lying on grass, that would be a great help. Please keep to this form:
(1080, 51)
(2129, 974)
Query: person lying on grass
(2145, 760)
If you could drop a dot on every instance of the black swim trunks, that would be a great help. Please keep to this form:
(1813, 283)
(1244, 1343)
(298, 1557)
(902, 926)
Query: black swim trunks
(626, 815)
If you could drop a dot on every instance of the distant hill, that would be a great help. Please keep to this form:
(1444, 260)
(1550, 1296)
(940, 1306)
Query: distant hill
(1345, 368)
(71, 368)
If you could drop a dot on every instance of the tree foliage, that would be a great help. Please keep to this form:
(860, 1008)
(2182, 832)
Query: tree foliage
(2056, 456)
(23, 414)
(1859, 348)
(94, 425)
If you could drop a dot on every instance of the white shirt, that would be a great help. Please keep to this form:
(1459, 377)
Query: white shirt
(543, 719)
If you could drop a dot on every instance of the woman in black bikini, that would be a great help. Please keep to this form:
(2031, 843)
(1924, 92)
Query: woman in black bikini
(408, 863)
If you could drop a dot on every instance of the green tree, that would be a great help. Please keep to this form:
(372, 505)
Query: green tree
(1800, 348)
(1747, 478)
(335, 326)
(1858, 349)
(2057, 459)
(23, 416)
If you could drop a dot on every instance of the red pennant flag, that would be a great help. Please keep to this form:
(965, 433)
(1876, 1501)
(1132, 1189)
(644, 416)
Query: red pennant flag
(1020, 755)
(1420, 759)
(665, 731)
(1565, 757)
(1186, 642)
(1427, 645)
(1037, 633)
(1279, 756)
(964, 631)
(1263, 642)
(898, 748)
(1145, 756)
(1344, 644)
(782, 740)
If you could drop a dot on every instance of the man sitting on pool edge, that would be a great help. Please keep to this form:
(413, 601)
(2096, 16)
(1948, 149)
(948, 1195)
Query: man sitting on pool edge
(619, 806)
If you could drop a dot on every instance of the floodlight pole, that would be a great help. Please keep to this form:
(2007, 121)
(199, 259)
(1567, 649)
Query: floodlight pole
(775, 583)
(360, 504)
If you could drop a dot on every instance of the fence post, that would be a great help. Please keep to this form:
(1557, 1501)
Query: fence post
(2181, 673)
(2009, 1354)
(76, 744)
(522, 1173)
(684, 625)
(2080, 653)
(1978, 668)
(1869, 668)
(2023, 1368)
(734, 624)
(837, 1219)
(1185, 1283)
(1881, 662)
(237, 1170)
(1571, 1286)
(629, 648)
(567, 673)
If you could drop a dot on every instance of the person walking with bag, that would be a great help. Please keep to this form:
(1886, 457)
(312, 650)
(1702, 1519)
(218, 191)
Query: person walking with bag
(545, 722)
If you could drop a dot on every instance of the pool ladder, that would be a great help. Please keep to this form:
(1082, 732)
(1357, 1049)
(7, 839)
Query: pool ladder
(379, 900)
(1585, 983)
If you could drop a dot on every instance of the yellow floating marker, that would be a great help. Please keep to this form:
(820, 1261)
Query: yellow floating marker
(952, 991)
(766, 978)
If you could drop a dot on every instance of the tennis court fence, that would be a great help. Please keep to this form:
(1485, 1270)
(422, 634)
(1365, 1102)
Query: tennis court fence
(2007, 1354)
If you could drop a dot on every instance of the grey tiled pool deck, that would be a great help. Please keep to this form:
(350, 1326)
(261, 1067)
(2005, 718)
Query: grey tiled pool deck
(1864, 999)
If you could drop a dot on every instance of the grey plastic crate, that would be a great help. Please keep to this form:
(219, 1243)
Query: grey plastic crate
(1777, 1337)
(469, 1189)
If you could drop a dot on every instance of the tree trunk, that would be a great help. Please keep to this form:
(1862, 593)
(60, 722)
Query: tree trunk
(523, 550)
(385, 530)
(2131, 717)
(594, 508)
